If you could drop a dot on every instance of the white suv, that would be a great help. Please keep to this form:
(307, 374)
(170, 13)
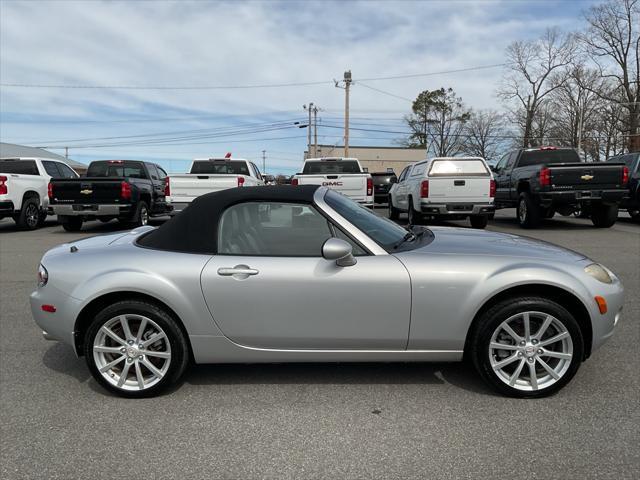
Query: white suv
(446, 188)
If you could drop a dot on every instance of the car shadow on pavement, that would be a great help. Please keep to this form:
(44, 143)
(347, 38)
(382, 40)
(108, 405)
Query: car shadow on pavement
(62, 359)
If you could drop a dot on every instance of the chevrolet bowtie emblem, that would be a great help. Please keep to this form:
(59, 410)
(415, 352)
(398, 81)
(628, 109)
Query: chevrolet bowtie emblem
(587, 177)
(86, 191)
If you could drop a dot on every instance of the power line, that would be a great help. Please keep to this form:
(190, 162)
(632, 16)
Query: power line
(240, 87)
(383, 92)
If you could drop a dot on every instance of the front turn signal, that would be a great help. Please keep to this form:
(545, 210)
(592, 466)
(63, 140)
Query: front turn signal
(602, 304)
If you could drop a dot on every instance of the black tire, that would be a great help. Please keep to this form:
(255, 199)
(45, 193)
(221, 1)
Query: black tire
(480, 353)
(479, 221)
(176, 337)
(604, 216)
(29, 216)
(491, 216)
(141, 217)
(527, 211)
(394, 213)
(413, 217)
(71, 224)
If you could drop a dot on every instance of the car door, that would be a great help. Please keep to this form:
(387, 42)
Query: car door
(157, 186)
(400, 200)
(502, 192)
(269, 287)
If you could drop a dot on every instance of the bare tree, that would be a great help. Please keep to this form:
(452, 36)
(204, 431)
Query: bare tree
(536, 68)
(612, 40)
(484, 134)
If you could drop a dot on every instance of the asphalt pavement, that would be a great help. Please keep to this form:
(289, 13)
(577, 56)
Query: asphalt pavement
(316, 420)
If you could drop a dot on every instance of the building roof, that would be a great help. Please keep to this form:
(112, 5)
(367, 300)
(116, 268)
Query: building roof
(13, 150)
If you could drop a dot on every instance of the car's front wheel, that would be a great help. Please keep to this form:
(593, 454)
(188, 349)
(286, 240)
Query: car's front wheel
(526, 347)
(135, 349)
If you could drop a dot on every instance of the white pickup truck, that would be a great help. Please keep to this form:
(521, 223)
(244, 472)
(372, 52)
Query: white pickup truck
(445, 188)
(344, 175)
(210, 175)
(24, 184)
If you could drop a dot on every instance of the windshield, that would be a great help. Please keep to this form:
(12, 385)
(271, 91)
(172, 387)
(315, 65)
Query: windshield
(219, 167)
(116, 168)
(21, 167)
(536, 157)
(331, 167)
(383, 231)
(446, 168)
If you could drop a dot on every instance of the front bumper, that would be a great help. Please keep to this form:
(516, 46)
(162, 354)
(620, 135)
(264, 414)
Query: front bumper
(457, 208)
(91, 210)
(575, 197)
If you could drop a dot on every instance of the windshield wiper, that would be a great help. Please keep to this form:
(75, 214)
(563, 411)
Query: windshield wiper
(408, 236)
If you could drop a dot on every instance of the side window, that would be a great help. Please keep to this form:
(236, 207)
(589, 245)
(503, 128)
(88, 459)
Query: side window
(51, 169)
(66, 171)
(161, 173)
(403, 174)
(503, 162)
(272, 229)
(512, 159)
(153, 171)
(258, 174)
(356, 249)
(418, 169)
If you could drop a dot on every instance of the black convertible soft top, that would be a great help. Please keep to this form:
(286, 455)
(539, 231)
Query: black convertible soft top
(195, 229)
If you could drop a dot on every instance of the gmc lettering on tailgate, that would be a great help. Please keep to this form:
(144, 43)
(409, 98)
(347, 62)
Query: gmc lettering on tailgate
(331, 184)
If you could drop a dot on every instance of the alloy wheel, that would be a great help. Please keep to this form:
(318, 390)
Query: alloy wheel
(530, 361)
(144, 216)
(522, 210)
(32, 215)
(132, 362)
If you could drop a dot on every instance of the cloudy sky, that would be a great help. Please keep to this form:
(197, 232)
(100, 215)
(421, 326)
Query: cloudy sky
(201, 44)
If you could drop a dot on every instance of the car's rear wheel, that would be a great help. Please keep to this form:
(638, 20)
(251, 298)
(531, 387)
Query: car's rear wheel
(71, 224)
(479, 221)
(604, 216)
(527, 347)
(135, 349)
(528, 212)
(413, 217)
(394, 213)
(141, 217)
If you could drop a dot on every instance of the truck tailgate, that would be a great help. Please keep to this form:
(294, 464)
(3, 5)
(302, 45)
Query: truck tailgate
(351, 185)
(459, 189)
(98, 190)
(586, 176)
(187, 187)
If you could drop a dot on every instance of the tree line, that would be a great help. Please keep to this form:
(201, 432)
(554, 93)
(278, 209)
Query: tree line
(577, 89)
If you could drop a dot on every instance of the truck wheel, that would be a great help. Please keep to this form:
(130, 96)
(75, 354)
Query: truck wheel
(29, 216)
(71, 224)
(413, 217)
(479, 221)
(604, 216)
(394, 213)
(528, 212)
(141, 216)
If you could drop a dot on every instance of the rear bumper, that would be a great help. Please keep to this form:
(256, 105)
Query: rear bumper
(457, 208)
(580, 196)
(178, 207)
(91, 210)
(6, 208)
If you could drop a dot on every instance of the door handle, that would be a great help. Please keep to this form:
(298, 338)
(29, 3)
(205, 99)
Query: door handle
(240, 270)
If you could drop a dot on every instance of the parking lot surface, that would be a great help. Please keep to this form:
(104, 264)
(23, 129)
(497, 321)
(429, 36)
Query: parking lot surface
(316, 420)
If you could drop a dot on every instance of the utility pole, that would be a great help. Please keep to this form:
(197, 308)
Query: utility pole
(347, 84)
(315, 131)
(264, 161)
(309, 129)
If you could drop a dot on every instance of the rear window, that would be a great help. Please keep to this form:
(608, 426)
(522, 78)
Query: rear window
(629, 160)
(384, 178)
(22, 167)
(537, 157)
(116, 168)
(446, 168)
(331, 167)
(213, 167)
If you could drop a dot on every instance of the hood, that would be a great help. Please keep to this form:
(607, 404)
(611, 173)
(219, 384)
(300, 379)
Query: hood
(465, 241)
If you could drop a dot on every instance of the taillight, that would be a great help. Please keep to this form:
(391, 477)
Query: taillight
(424, 189)
(294, 181)
(167, 187)
(545, 177)
(125, 190)
(50, 191)
(240, 181)
(625, 176)
(3, 185)
(492, 188)
(369, 187)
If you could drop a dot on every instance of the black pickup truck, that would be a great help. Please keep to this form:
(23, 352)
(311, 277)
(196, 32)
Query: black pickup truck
(131, 191)
(542, 181)
(632, 200)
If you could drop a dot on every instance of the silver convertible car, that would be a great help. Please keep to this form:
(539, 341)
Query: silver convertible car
(303, 274)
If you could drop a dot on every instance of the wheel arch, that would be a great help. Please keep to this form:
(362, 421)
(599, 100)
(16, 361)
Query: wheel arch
(86, 315)
(523, 186)
(568, 300)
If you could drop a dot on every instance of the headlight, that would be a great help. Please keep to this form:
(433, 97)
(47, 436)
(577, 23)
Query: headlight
(598, 272)
(43, 276)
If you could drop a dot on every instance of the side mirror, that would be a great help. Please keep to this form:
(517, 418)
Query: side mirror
(338, 250)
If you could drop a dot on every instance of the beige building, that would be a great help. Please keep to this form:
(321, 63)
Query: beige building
(376, 159)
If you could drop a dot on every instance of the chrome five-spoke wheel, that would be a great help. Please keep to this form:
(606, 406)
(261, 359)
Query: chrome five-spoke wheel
(530, 350)
(132, 352)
